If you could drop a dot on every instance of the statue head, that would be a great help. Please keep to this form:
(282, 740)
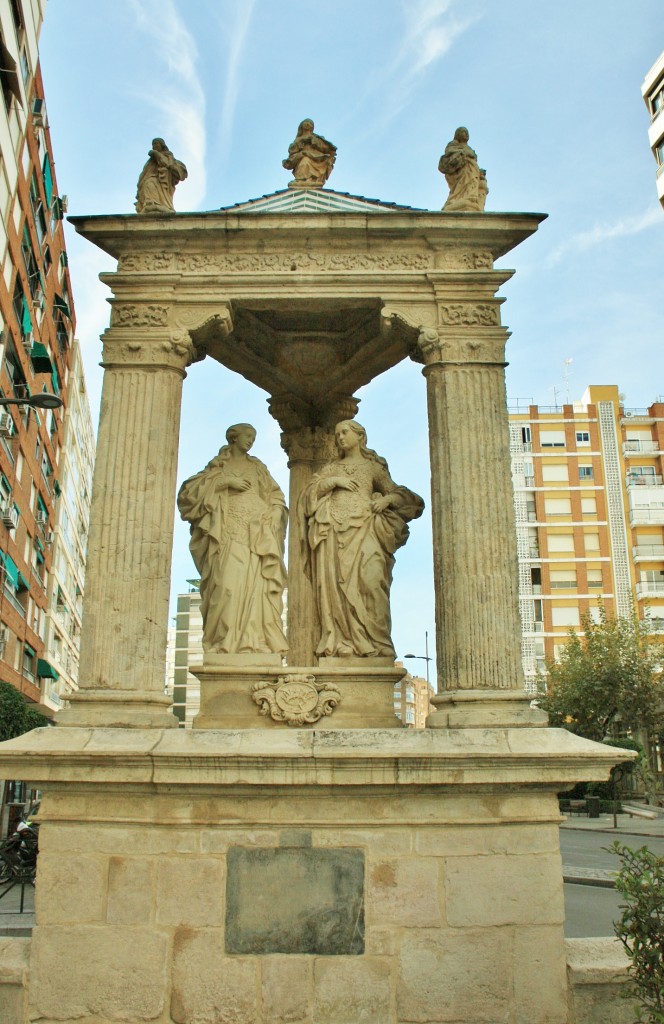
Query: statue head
(159, 144)
(305, 127)
(462, 134)
(243, 433)
(357, 429)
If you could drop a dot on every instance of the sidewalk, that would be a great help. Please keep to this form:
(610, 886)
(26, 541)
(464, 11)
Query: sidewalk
(11, 921)
(631, 831)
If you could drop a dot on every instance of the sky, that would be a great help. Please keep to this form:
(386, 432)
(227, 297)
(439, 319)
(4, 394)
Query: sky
(551, 95)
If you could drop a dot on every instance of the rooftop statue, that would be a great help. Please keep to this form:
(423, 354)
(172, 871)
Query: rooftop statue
(156, 184)
(310, 158)
(238, 526)
(357, 518)
(466, 181)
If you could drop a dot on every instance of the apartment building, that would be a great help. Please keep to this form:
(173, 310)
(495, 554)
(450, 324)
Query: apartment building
(589, 505)
(652, 91)
(412, 700)
(36, 354)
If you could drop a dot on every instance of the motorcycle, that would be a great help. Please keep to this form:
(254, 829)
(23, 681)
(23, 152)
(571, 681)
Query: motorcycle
(18, 853)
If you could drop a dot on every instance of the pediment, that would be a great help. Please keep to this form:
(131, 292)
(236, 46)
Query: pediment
(314, 200)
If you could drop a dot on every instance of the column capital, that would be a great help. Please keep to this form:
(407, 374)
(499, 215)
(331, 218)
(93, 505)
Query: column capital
(308, 444)
(441, 346)
(294, 416)
(158, 335)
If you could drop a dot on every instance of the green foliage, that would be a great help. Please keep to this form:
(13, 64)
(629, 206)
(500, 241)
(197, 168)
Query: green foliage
(605, 677)
(640, 928)
(16, 717)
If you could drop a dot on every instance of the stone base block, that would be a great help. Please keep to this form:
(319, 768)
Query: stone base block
(339, 693)
(118, 709)
(485, 709)
(306, 876)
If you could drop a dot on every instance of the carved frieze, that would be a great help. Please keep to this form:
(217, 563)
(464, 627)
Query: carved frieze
(127, 314)
(461, 259)
(309, 444)
(414, 314)
(469, 314)
(296, 699)
(286, 262)
(146, 262)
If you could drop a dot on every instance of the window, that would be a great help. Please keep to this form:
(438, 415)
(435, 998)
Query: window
(582, 437)
(536, 579)
(560, 542)
(410, 716)
(589, 506)
(21, 309)
(657, 101)
(35, 283)
(564, 616)
(525, 435)
(659, 152)
(11, 87)
(557, 507)
(28, 662)
(552, 438)
(25, 66)
(594, 579)
(563, 579)
(556, 472)
(592, 541)
(585, 472)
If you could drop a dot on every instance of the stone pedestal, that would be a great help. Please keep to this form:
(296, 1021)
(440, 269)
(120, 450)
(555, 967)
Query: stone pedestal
(307, 875)
(243, 692)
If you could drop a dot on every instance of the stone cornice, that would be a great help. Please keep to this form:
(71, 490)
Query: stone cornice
(455, 759)
(478, 238)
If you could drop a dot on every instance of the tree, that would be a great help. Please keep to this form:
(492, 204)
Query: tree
(606, 681)
(16, 717)
(640, 928)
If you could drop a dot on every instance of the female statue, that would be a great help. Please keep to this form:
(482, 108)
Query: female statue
(310, 158)
(157, 181)
(466, 181)
(356, 519)
(238, 524)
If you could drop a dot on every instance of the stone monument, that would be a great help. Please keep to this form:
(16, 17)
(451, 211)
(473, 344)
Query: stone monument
(298, 856)
(465, 179)
(310, 157)
(156, 184)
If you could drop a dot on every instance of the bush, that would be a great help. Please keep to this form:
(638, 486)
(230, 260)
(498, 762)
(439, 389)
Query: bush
(640, 928)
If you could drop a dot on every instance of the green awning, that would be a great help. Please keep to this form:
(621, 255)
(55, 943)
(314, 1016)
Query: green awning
(59, 303)
(40, 359)
(54, 379)
(45, 670)
(57, 488)
(48, 179)
(23, 584)
(11, 569)
(26, 319)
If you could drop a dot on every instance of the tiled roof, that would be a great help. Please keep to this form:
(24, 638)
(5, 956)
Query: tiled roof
(318, 200)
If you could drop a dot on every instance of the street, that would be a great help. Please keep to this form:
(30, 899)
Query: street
(590, 910)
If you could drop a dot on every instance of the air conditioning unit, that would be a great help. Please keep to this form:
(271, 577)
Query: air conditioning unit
(42, 518)
(7, 428)
(8, 516)
(48, 538)
(27, 340)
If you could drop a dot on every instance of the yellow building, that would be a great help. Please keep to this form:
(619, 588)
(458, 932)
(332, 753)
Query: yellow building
(589, 507)
(652, 91)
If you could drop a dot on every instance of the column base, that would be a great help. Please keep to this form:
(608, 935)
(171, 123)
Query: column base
(248, 692)
(118, 709)
(485, 709)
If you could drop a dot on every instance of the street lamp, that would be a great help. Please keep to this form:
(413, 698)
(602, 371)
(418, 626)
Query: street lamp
(423, 657)
(41, 401)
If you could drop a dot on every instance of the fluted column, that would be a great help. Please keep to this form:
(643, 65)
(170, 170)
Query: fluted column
(308, 448)
(125, 610)
(475, 559)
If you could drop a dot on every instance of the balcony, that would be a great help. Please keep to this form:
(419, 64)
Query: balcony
(646, 515)
(656, 625)
(648, 552)
(637, 480)
(649, 588)
(640, 448)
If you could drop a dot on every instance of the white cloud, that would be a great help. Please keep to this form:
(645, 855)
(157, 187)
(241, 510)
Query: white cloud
(430, 29)
(585, 240)
(239, 31)
(179, 95)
